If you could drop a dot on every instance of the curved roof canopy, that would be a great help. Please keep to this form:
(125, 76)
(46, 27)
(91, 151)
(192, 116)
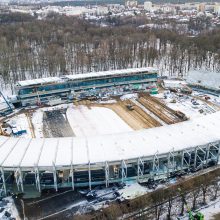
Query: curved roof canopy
(47, 152)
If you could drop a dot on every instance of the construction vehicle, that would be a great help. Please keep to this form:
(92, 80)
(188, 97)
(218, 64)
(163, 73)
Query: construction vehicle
(130, 107)
(173, 101)
(186, 90)
(181, 115)
(192, 216)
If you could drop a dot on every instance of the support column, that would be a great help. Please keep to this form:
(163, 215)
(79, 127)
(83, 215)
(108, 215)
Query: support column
(106, 174)
(123, 171)
(89, 170)
(72, 176)
(140, 168)
(37, 179)
(218, 144)
(204, 156)
(71, 168)
(203, 159)
(170, 162)
(195, 158)
(207, 153)
(19, 179)
(156, 163)
(3, 180)
(182, 160)
(55, 177)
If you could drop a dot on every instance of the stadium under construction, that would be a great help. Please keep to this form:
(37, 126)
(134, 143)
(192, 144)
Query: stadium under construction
(30, 92)
(154, 153)
(148, 154)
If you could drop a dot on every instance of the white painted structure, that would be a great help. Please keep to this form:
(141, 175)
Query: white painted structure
(21, 152)
(148, 6)
(184, 145)
(131, 3)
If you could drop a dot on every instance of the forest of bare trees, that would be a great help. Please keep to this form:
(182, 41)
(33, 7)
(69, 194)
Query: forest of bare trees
(62, 45)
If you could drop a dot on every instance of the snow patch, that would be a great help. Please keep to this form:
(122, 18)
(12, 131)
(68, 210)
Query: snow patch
(91, 121)
(37, 120)
(132, 191)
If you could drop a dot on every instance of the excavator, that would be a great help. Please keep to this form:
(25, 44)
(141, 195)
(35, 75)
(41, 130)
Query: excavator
(192, 215)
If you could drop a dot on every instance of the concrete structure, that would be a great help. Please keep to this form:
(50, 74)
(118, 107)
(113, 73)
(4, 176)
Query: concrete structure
(39, 91)
(168, 9)
(148, 6)
(174, 84)
(131, 3)
(155, 153)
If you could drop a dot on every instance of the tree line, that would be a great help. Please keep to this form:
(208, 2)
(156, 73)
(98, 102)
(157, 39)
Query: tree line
(62, 45)
(165, 203)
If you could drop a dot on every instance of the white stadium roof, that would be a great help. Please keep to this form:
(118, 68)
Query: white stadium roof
(84, 76)
(46, 152)
(39, 81)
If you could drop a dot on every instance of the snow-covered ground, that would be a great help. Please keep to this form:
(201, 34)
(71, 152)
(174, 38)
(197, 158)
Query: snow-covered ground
(129, 96)
(8, 205)
(185, 104)
(207, 79)
(214, 99)
(20, 122)
(187, 108)
(95, 121)
(211, 210)
(99, 120)
(131, 191)
(37, 120)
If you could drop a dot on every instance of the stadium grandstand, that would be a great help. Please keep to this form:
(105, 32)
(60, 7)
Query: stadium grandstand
(42, 90)
(154, 153)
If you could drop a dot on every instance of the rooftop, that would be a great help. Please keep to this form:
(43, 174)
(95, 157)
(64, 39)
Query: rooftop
(208, 79)
(44, 152)
(84, 76)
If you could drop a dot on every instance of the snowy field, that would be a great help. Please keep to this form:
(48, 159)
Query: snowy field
(131, 191)
(211, 210)
(204, 78)
(86, 121)
(185, 105)
(37, 120)
(8, 206)
(20, 122)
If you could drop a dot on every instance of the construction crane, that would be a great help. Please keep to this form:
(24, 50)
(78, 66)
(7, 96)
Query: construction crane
(192, 215)
(6, 101)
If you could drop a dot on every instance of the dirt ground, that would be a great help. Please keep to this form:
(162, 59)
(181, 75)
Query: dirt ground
(136, 118)
(55, 124)
(166, 114)
(216, 217)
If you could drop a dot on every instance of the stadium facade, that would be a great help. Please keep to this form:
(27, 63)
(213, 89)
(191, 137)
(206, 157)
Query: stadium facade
(155, 153)
(30, 92)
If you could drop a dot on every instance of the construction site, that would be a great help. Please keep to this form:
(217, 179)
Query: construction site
(102, 143)
(86, 117)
